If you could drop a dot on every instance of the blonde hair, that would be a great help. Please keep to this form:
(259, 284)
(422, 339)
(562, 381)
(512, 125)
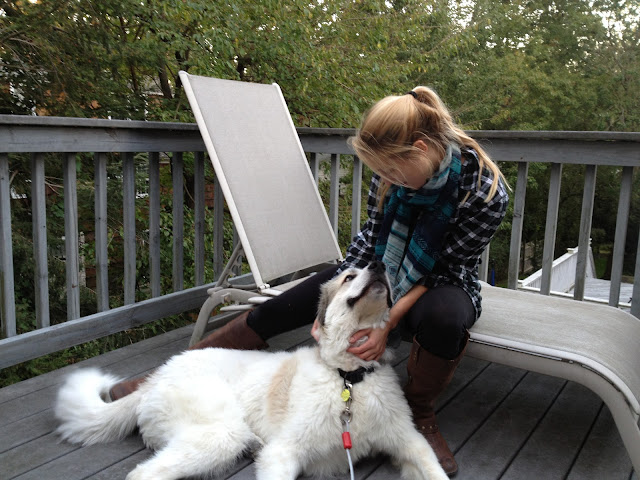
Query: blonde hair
(390, 128)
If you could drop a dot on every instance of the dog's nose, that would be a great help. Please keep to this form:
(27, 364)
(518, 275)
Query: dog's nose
(377, 267)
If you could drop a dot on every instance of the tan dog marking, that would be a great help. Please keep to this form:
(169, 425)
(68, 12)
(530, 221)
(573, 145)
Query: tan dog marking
(278, 393)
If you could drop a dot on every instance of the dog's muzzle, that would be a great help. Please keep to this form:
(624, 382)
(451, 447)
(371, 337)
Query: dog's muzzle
(378, 280)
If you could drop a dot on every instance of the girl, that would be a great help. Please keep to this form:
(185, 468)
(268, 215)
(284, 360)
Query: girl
(435, 201)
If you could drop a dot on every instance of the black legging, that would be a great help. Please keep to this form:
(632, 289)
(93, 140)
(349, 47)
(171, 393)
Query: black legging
(439, 319)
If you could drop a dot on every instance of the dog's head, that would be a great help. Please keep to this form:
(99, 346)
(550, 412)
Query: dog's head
(354, 300)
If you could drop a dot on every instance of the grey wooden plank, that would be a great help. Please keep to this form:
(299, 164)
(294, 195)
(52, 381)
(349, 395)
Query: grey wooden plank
(551, 226)
(556, 442)
(72, 263)
(177, 174)
(119, 470)
(39, 219)
(490, 450)
(7, 293)
(603, 454)
(101, 234)
(527, 146)
(57, 337)
(362, 470)
(461, 416)
(129, 227)
(585, 230)
(78, 463)
(28, 456)
(154, 223)
(622, 221)
(467, 373)
(37, 383)
(199, 209)
(42, 399)
(517, 224)
(109, 136)
(572, 151)
(26, 430)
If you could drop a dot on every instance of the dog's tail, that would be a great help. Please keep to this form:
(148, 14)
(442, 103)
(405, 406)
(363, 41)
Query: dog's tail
(85, 412)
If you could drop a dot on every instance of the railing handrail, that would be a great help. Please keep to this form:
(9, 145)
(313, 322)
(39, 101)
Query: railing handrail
(73, 122)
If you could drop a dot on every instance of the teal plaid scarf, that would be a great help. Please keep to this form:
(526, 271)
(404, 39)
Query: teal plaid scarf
(415, 223)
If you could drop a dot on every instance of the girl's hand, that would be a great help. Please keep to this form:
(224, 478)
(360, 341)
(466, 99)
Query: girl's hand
(373, 347)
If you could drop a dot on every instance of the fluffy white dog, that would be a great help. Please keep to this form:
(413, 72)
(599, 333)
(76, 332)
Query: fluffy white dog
(204, 409)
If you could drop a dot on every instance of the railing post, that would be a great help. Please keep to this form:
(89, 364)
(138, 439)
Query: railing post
(314, 165)
(483, 270)
(516, 225)
(154, 223)
(101, 233)
(622, 221)
(129, 227)
(553, 205)
(198, 193)
(7, 293)
(177, 174)
(334, 196)
(71, 236)
(585, 230)
(39, 219)
(356, 199)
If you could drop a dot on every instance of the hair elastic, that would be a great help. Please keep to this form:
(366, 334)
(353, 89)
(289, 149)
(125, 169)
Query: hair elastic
(413, 94)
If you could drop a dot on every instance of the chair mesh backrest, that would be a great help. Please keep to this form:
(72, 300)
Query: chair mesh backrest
(264, 174)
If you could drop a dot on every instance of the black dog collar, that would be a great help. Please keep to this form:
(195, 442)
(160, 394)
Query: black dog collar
(355, 376)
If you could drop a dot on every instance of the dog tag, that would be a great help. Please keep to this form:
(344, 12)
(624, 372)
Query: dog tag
(346, 395)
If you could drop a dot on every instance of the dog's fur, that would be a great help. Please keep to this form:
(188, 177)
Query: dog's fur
(204, 409)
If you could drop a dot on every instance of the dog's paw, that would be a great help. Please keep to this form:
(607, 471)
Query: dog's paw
(139, 473)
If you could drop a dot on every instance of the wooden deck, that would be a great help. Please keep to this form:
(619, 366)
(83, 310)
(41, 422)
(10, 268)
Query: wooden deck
(502, 423)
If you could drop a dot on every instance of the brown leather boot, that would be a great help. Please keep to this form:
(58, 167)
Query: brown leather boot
(429, 375)
(236, 335)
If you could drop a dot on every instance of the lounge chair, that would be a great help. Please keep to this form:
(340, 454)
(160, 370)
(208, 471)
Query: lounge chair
(284, 229)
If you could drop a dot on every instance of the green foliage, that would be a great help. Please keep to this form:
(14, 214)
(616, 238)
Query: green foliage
(526, 64)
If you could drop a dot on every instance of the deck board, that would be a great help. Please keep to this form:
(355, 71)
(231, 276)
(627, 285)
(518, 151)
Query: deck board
(490, 453)
(501, 422)
(556, 442)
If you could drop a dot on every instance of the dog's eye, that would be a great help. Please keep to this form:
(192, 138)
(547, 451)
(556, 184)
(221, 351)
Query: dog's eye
(348, 278)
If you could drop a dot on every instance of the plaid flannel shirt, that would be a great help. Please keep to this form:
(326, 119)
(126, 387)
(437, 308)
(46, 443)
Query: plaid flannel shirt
(471, 228)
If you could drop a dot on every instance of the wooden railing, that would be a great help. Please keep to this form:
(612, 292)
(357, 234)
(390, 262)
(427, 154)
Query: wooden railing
(67, 137)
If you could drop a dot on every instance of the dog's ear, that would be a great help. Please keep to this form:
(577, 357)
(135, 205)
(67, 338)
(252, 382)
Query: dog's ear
(323, 304)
